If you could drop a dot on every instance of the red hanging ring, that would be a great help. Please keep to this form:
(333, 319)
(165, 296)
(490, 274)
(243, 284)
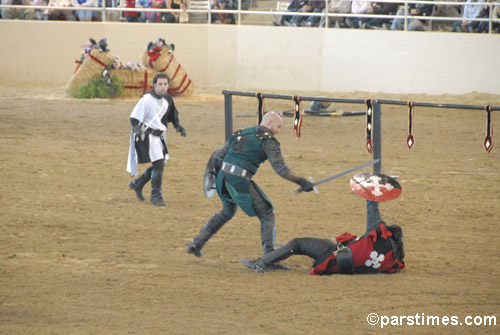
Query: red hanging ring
(260, 111)
(369, 125)
(410, 140)
(488, 141)
(297, 116)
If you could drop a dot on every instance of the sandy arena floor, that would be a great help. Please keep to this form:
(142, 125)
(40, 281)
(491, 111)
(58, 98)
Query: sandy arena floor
(79, 254)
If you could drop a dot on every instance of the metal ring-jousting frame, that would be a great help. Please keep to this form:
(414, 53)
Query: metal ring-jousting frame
(373, 120)
(373, 117)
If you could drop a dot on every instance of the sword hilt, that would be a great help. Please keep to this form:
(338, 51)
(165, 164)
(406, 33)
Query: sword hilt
(315, 189)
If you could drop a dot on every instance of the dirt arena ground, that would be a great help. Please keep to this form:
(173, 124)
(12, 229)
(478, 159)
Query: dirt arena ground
(79, 254)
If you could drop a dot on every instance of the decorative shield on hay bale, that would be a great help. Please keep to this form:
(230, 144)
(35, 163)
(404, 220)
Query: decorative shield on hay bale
(163, 60)
(135, 83)
(96, 62)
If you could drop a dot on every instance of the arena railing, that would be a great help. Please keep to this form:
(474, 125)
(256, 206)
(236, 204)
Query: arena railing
(238, 11)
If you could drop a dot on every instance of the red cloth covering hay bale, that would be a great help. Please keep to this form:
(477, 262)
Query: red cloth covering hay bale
(93, 64)
(161, 58)
(135, 83)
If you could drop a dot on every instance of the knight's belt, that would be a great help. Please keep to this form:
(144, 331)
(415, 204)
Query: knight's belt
(236, 170)
(154, 132)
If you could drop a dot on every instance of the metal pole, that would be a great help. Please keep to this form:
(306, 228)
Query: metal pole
(377, 136)
(377, 153)
(228, 113)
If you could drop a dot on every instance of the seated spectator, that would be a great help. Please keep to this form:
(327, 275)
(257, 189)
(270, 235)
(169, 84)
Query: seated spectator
(184, 15)
(84, 15)
(41, 14)
(317, 6)
(142, 4)
(485, 26)
(60, 14)
(223, 18)
(379, 8)
(445, 11)
(311, 6)
(17, 13)
(110, 15)
(155, 16)
(129, 15)
(172, 17)
(294, 6)
(357, 7)
(336, 6)
(413, 10)
(469, 12)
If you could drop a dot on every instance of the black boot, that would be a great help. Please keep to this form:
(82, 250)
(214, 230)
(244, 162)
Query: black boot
(268, 238)
(267, 232)
(192, 248)
(210, 228)
(257, 265)
(270, 261)
(156, 194)
(138, 184)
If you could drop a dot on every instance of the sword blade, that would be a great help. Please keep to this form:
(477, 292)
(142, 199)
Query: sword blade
(335, 176)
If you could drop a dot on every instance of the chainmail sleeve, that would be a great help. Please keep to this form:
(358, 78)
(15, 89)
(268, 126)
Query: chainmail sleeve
(219, 158)
(272, 150)
(373, 217)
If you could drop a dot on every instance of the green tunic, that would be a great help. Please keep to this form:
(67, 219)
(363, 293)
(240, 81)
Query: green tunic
(244, 151)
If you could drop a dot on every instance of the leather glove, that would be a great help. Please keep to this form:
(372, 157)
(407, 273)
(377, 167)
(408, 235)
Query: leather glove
(182, 130)
(136, 126)
(137, 129)
(306, 185)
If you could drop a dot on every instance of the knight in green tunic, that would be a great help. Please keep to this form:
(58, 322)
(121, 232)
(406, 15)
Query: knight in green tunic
(238, 161)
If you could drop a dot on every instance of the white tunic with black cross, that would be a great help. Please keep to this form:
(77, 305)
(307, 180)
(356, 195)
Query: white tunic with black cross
(149, 110)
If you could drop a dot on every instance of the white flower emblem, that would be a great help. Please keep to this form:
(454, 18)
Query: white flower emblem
(375, 260)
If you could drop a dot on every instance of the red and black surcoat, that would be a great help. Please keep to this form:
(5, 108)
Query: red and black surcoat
(374, 253)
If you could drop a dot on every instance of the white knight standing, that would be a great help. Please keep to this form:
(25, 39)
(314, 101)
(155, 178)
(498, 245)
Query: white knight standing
(147, 142)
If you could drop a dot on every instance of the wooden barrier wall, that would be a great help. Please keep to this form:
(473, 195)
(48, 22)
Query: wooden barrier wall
(265, 57)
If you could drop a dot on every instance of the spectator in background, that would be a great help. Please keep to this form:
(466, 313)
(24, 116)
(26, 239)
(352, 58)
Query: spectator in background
(444, 11)
(155, 16)
(414, 10)
(379, 8)
(223, 18)
(294, 6)
(317, 6)
(357, 7)
(41, 14)
(129, 15)
(311, 6)
(484, 26)
(469, 12)
(17, 13)
(60, 14)
(183, 15)
(336, 6)
(172, 17)
(82, 14)
(110, 15)
(142, 4)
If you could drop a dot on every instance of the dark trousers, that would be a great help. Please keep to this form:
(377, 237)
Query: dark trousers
(264, 213)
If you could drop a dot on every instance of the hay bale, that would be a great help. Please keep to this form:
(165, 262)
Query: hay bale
(94, 64)
(135, 83)
(164, 61)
